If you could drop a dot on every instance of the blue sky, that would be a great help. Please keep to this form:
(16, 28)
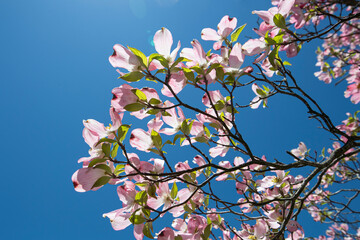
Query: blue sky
(55, 73)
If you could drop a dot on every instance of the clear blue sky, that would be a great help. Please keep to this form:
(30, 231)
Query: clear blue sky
(55, 73)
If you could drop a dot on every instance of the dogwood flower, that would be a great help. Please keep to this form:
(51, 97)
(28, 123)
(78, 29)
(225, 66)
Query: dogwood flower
(225, 27)
(261, 95)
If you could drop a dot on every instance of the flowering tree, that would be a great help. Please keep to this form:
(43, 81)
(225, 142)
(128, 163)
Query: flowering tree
(270, 193)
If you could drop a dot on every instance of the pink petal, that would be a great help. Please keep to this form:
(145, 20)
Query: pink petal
(265, 15)
(175, 51)
(209, 34)
(140, 140)
(123, 96)
(163, 41)
(84, 178)
(255, 103)
(138, 231)
(285, 6)
(119, 219)
(177, 82)
(123, 58)
(199, 52)
(236, 57)
(254, 46)
(226, 26)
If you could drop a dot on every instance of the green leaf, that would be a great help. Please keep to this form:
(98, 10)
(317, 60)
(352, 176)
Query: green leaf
(279, 21)
(178, 237)
(134, 107)
(188, 209)
(139, 94)
(119, 169)
(213, 66)
(174, 191)
(201, 139)
(152, 190)
(108, 140)
(156, 138)
(214, 125)
(187, 178)
(207, 232)
(132, 76)
(165, 114)
(220, 73)
(235, 34)
(152, 56)
(177, 137)
(104, 167)
(154, 101)
(270, 41)
(278, 39)
(208, 53)
(267, 90)
(146, 212)
(193, 176)
(142, 58)
(147, 230)
(114, 150)
(272, 56)
(101, 181)
(106, 149)
(185, 128)
(198, 70)
(206, 201)
(154, 151)
(122, 131)
(180, 59)
(163, 61)
(207, 132)
(96, 161)
(219, 105)
(153, 111)
(141, 197)
(137, 219)
(207, 171)
(189, 74)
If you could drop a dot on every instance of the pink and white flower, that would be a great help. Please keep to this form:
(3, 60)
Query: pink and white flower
(225, 27)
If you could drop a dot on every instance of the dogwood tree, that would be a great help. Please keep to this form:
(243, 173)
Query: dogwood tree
(270, 193)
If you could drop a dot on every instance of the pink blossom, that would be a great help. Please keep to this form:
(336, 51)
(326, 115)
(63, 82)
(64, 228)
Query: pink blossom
(174, 120)
(141, 166)
(221, 149)
(225, 27)
(283, 8)
(199, 160)
(301, 151)
(256, 46)
(124, 58)
(163, 198)
(84, 178)
(261, 95)
(119, 219)
(236, 59)
(224, 164)
(142, 140)
(353, 90)
(163, 41)
(195, 54)
(177, 82)
(166, 234)
(123, 96)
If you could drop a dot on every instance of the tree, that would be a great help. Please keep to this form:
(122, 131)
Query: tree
(270, 193)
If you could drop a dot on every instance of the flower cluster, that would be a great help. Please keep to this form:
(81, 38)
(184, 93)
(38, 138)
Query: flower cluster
(268, 197)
